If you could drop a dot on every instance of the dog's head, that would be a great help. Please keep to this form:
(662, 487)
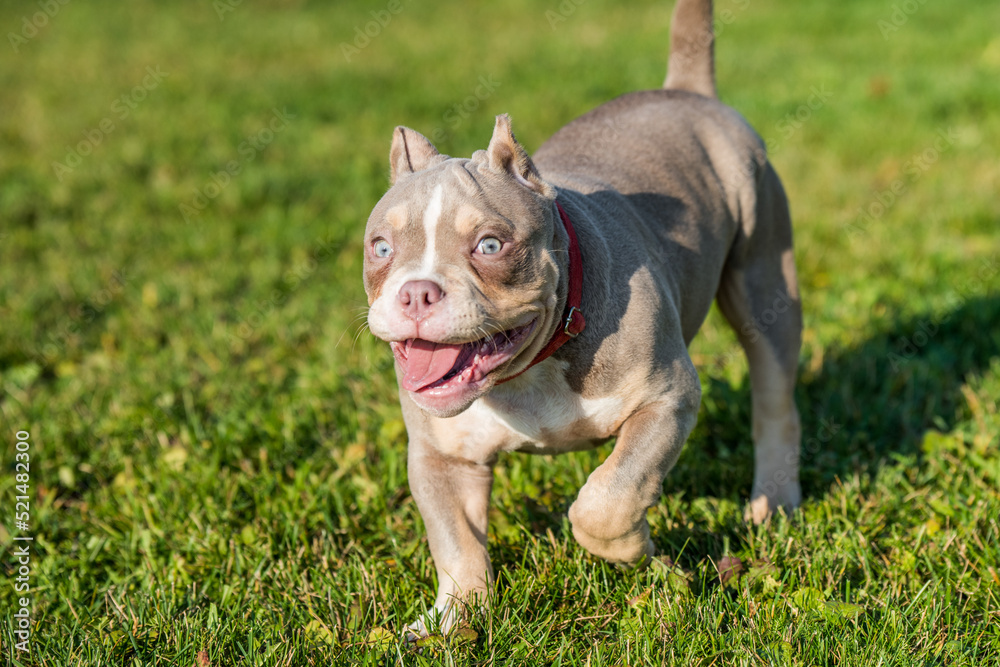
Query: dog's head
(460, 268)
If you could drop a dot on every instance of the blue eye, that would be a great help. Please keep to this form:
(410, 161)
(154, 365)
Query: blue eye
(381, 248)
(489, 246)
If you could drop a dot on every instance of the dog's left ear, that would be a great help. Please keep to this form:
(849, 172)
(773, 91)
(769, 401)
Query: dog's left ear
(507, 156)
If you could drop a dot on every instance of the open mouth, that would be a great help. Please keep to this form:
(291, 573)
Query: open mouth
(431, 366)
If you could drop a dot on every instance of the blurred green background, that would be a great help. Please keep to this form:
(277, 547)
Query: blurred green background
(218, 460)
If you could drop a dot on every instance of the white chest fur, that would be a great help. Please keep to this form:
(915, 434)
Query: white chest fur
(537, 412)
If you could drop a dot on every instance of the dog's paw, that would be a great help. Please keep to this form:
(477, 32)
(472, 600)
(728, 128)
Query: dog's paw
(631, 549)
(610, 529)
(763, 505)
(438, 619)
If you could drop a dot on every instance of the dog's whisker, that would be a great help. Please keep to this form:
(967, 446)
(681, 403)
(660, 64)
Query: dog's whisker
(357, 336)
(489, 335)
(354, 320)
(498, 331)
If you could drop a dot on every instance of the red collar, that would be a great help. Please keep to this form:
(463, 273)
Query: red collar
(573, 320)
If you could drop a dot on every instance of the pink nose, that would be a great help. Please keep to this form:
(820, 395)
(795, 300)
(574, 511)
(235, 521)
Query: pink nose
(417, 297)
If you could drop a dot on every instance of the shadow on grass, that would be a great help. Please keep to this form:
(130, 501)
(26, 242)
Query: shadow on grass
(863, 405)
(882, 396)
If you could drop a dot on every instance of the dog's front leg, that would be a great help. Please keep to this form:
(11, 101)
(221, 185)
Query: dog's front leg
(609, 515)
(453, 498)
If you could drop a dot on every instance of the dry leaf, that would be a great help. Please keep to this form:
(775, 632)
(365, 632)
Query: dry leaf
(730, 568)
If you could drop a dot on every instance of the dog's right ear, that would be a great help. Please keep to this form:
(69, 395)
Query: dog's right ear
(410, 152)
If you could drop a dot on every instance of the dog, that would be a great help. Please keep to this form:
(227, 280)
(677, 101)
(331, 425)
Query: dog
(546, 304)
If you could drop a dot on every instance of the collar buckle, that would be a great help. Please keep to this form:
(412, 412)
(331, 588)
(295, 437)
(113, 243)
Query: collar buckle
(575, 331)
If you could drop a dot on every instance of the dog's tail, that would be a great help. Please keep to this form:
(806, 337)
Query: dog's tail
(692, 56)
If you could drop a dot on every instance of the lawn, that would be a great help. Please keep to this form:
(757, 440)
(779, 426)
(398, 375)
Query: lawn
(217, 458)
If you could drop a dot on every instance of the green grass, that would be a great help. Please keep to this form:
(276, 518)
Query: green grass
(218, 458)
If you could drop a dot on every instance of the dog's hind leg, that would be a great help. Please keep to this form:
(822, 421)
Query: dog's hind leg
(759, 297)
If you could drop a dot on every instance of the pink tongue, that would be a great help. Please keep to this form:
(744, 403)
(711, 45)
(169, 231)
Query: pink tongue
(428, 362)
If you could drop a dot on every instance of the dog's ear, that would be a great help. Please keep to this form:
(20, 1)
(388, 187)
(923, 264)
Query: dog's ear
(507, 156)
(410, 152)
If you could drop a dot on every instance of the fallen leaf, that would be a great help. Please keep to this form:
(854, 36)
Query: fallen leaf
(941, 507)
(679, 583)
(730, 568)
(463, 636)
(431, 642)
(905, 560)
(248, 535)
(807, 599)
(783, 651)
(878, 86)
(630, 626)
(318, 632)
(381, 640)
(954, 647)
(174, 458)
(640, 599)
(842, 611)
(764, 577)
(664, 560)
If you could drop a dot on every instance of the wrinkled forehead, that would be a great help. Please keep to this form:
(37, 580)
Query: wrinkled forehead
(411, 199)
(458, 190)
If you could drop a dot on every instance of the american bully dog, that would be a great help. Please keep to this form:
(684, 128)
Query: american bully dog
(546, 304)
